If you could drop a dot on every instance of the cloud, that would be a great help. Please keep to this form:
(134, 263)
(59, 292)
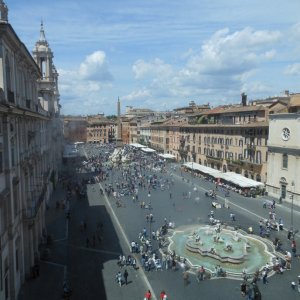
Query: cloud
(221, 67)
(234, 53)
(86, 82)
(137, 95)
(95, 67)
(293, 69)
(155, 67)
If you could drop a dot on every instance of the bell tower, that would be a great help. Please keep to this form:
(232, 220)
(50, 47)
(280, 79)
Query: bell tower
(3, 12)
(43, 56)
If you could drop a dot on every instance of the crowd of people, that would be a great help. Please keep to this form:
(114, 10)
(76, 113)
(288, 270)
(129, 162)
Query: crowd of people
(147, 173)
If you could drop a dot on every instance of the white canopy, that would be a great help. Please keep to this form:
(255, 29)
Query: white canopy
(167, 156)
(232, 177)
(240, 180)
(149, 150)
(207, 170)
(136, 145)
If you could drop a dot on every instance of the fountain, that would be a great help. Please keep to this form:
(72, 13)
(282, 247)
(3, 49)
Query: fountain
(212, 246)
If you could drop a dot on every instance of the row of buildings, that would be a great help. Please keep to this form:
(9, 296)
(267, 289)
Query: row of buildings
(30, 151)
(237, 138)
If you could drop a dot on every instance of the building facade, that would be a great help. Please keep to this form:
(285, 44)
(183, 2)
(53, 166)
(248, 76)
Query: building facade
(284, 157)
(100, 130)
(227, 139)
(29, 150)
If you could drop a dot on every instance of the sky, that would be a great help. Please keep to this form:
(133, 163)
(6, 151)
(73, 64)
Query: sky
(161, 54)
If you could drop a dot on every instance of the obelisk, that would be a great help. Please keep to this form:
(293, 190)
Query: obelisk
(119, 142)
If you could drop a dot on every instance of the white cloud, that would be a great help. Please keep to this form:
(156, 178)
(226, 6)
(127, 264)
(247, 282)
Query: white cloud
(86, 82)
(137, 95)
(293, 69)
(234, 53)
(156, 67)
(223, 66)
(95, 67)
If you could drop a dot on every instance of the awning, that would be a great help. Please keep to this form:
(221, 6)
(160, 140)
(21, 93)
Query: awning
(231, 177)
(136, 145)
(206, 170)
(148, 150)
(167, 156)
(240, 180)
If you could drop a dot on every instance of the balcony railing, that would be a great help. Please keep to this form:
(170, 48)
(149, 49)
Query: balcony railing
(209, 157)
(252, 162)
(234, 162)
(251, 147)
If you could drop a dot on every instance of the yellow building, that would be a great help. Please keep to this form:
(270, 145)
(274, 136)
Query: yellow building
(100, 129)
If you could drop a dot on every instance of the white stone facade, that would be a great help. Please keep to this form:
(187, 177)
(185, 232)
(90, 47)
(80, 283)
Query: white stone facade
(28, 160)
(284, 153)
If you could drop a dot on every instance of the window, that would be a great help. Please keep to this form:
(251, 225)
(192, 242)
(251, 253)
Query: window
(284, 161)
(258, 157)
(258, 141)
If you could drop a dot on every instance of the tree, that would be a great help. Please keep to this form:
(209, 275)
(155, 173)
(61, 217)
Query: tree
(111, 117)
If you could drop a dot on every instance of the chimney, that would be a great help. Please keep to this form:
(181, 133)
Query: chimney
(244, 99)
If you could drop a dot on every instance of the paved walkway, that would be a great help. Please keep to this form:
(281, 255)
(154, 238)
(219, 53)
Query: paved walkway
(52, 270)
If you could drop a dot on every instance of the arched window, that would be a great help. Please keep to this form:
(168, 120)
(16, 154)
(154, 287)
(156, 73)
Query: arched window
(258, 178)
(246, 173)
(284, 161)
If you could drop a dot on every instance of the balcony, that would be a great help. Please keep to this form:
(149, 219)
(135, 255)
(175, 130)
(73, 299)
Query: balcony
(231, 162)
(214, 158)
(251, 147)
(250, 162)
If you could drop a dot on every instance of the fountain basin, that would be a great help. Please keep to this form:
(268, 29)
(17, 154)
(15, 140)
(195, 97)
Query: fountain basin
(235, 252)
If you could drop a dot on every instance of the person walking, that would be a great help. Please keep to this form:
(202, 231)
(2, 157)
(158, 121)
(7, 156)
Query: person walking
(119, 278)
(294, 248)
(265, 276)
(163, 295)
(125, 276)
(185, 276)
(148, 295)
